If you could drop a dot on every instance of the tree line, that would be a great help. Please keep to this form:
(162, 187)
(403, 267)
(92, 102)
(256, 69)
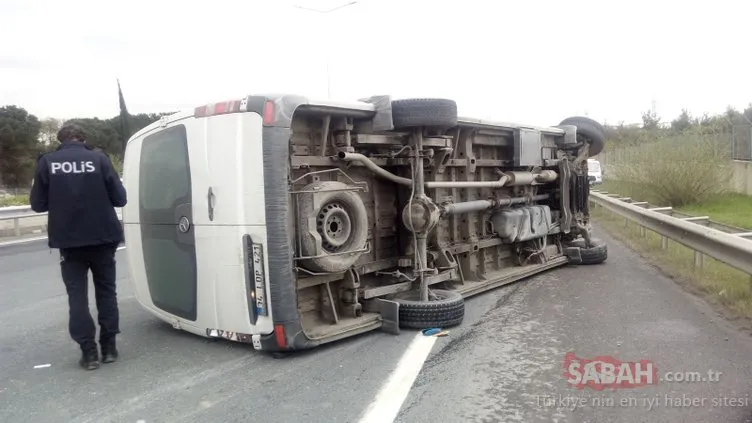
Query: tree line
(653, 126)
(685, 160)
(23, 137)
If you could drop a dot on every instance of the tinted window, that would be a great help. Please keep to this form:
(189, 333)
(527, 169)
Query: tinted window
(165, 171)
(164, 197)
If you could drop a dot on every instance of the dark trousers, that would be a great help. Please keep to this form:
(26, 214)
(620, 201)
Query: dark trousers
(75, 264)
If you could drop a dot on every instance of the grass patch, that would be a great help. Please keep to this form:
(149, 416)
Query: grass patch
(636, 191)
(14, 200)
(731, 208)
(715, 281)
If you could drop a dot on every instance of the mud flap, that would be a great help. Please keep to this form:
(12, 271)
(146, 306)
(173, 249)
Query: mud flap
(573, 254)
(389, 311)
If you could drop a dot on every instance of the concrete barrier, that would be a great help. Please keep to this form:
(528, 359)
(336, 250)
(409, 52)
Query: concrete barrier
(741, 177)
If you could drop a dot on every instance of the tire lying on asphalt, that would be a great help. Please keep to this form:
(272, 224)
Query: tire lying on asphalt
(595, 254)
(447, 310)
(418, 112)
(588, 131)
(331, 222)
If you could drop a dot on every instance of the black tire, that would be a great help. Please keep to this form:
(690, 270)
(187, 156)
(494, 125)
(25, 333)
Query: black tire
(343, 208)
(596, 254)
(447, 311)
(419, 112)
(590, 130)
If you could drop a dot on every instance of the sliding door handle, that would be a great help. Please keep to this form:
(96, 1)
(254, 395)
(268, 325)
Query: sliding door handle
(210, 202)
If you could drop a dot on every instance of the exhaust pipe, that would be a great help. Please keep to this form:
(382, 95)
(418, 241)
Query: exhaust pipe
(373, 167)
(480, 205)
(468, 184)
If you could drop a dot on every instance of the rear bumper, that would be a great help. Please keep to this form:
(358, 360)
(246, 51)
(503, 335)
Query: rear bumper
(287, 336)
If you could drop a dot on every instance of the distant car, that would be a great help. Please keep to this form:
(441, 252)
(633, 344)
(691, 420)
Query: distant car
(595, 172)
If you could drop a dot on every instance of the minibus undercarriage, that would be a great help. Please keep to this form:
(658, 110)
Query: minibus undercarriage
(396, 217)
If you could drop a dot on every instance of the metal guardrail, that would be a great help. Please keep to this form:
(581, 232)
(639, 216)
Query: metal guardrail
(15, 210)
(19, 213)
(725, 243)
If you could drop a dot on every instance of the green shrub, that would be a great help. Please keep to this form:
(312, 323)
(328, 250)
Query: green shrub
(677, 169)
(117, 163)
(14, 200)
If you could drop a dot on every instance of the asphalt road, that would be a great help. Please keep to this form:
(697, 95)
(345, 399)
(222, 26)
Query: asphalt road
(505, 363)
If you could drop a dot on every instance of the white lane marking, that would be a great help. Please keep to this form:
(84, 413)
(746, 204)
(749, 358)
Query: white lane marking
(392, 395)
(121, 248)
(22, 241)
(42, 366)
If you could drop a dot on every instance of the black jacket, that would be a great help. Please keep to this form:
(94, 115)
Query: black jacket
(79, 189)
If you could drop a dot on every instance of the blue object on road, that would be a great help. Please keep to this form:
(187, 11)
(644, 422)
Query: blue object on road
(432, 331)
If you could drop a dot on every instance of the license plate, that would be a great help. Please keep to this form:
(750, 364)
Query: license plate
(259, 278)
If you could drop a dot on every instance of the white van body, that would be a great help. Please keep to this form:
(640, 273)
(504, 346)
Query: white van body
(595, 172)
(199, 185)
(169, 165)
(226, 203)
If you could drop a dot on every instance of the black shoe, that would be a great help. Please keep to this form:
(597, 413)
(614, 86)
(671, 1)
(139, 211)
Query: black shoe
(89, 360)
(109, 351)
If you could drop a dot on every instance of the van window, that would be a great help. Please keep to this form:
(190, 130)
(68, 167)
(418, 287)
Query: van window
(164, 197)
(164, 173)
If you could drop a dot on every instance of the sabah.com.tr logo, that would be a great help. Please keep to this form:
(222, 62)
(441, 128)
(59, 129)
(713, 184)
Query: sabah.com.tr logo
(604, 372)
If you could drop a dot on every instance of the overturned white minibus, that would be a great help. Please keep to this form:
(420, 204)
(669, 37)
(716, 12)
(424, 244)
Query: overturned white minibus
(288, 223)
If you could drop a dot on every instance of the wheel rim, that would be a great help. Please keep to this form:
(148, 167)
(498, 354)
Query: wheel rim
(334, 225)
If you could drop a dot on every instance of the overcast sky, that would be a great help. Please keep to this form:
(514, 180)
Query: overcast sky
(531, 61)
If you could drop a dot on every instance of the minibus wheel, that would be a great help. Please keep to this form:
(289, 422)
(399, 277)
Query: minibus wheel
(597, 253)
(443, 309)
(332, 222)
(590, 131)
(418, 112)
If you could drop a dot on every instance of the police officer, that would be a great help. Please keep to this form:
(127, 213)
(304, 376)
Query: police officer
(80, 189)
